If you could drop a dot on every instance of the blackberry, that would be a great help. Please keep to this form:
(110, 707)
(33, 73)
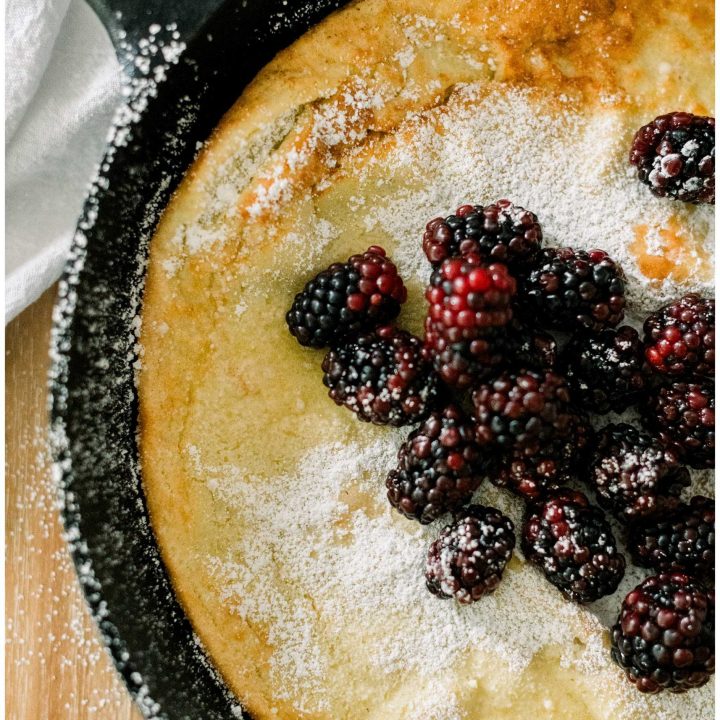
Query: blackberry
(439, 467)
(469, 306)
(568, 289)
(664, 637)
(523, 412)
(682, 540)
(460, 364)
(571, 541)
(675, 157)
(633, 475)
(682, 415)
(468, 558)
(529, 347)
(680, 337)
(605, 370)
(575, 450)
(557, 464)
(499, 232)
(531, 477)
(347, 298)
(382, 377)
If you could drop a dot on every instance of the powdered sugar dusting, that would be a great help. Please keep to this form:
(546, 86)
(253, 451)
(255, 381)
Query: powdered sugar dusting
(220, 207)
(333, 551)
(48, 635)
(331, 126)
(570, 170)
(344, 562)
(155, 53)
(333, 540)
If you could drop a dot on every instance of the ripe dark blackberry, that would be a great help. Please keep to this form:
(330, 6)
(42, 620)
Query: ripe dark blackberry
(682, 415)
(347, 298)
(680, 337)
(557, 464)
(499, 232)
(528, 347)
(439, 467)
(605, 370)
(571, 541)
(468, 558)
(568, 289)
(523, 412)
(675, 156)
(382, 377)
(682, 540)
(469, 306)
(633, 475)
(664, 637)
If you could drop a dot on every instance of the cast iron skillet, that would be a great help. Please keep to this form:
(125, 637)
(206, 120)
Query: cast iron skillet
(93, 398)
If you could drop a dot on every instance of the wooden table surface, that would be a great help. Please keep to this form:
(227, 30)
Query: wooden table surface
(56, 667)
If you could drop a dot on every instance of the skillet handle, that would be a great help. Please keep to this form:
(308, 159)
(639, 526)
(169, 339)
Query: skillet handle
(129, 22)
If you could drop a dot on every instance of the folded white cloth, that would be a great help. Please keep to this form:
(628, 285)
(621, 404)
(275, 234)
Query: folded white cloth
(62, 85)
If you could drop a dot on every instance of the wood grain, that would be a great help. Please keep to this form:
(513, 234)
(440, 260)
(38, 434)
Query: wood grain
(56, 667)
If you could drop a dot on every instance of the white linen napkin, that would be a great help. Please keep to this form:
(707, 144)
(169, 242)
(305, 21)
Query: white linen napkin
(62, 84)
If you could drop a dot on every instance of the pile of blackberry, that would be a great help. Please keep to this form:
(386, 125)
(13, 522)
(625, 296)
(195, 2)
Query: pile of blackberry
(521, 348)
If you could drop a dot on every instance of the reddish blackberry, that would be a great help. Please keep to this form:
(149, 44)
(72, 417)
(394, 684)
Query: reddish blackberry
(664, 637)
(683, 540)
(531, 477)
(469, 304)
(523, 412)
(500, 232)
(605, 370)
(683, 417)
(680, 337)
(382, 377)
(347, 298)
(633, 475)
(557, 464)
(468, 558)
(675, 157)
(571, 541)
(568, 289)
(439, 467)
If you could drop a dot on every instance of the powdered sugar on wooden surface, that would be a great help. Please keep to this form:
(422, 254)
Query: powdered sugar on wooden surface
(52, 646)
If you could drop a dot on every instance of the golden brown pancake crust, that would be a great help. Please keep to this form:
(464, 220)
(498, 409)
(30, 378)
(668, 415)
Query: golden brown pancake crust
(224, 386)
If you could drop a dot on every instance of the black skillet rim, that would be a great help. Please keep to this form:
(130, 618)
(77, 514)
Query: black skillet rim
(92, 399)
